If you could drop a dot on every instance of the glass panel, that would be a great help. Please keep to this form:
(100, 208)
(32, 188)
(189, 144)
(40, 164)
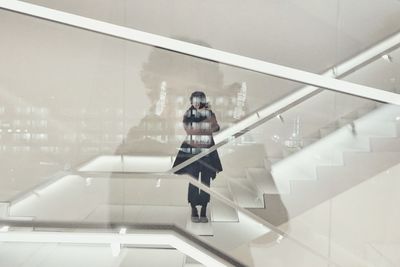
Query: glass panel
(95, 123)
(71, 97)
(282, 32)
(84, 117)
(382, 73)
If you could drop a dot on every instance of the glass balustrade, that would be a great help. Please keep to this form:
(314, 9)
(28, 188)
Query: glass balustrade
(382, 73)
(91, 126)
(69, 97)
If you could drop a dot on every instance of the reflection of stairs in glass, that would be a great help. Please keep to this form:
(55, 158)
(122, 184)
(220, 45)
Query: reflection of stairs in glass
(355, 148)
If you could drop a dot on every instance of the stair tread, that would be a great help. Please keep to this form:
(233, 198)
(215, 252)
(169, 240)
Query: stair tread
(140, 214)
(332, 180)
(376, 146)
(265, 182)
(374, 158)
(202, 229)
(244, 195)
(391, 144)
(220, 212)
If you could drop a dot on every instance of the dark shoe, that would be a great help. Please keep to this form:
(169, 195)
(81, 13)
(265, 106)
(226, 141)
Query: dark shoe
(195, 219)
(203, 219)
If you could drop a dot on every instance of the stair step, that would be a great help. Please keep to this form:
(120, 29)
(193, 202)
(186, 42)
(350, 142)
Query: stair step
(351, 116)
(202, 229)
(236, 158)
(385, 144)
(4, 209)
(151, 191)
(374, 160)
(291, 170)
(386, 112)
(326, 152)
(371, 128)
(333, 180)
(220, 181)
(354, 170)
(309, 141)
(366, 110)
(354, 149)
(244, 195)
(270, 161)
(140, 214)
(220, 212)
(263, 181)
(314, 135)
(343, 121)
(327, 131)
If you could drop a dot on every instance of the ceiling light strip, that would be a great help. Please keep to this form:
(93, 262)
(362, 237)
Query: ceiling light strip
(202, 52)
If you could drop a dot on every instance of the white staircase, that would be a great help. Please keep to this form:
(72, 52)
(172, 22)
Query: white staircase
(336, 158)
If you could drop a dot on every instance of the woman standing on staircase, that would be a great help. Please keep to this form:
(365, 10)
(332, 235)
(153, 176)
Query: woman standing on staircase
(199, 123)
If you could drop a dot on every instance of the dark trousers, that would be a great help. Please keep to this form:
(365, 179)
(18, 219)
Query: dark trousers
(197, 196)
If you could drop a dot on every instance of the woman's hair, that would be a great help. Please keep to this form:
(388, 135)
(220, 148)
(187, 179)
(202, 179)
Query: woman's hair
(199, 95)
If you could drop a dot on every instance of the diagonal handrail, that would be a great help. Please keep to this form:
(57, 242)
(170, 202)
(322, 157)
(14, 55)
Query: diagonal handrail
(186, 48)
